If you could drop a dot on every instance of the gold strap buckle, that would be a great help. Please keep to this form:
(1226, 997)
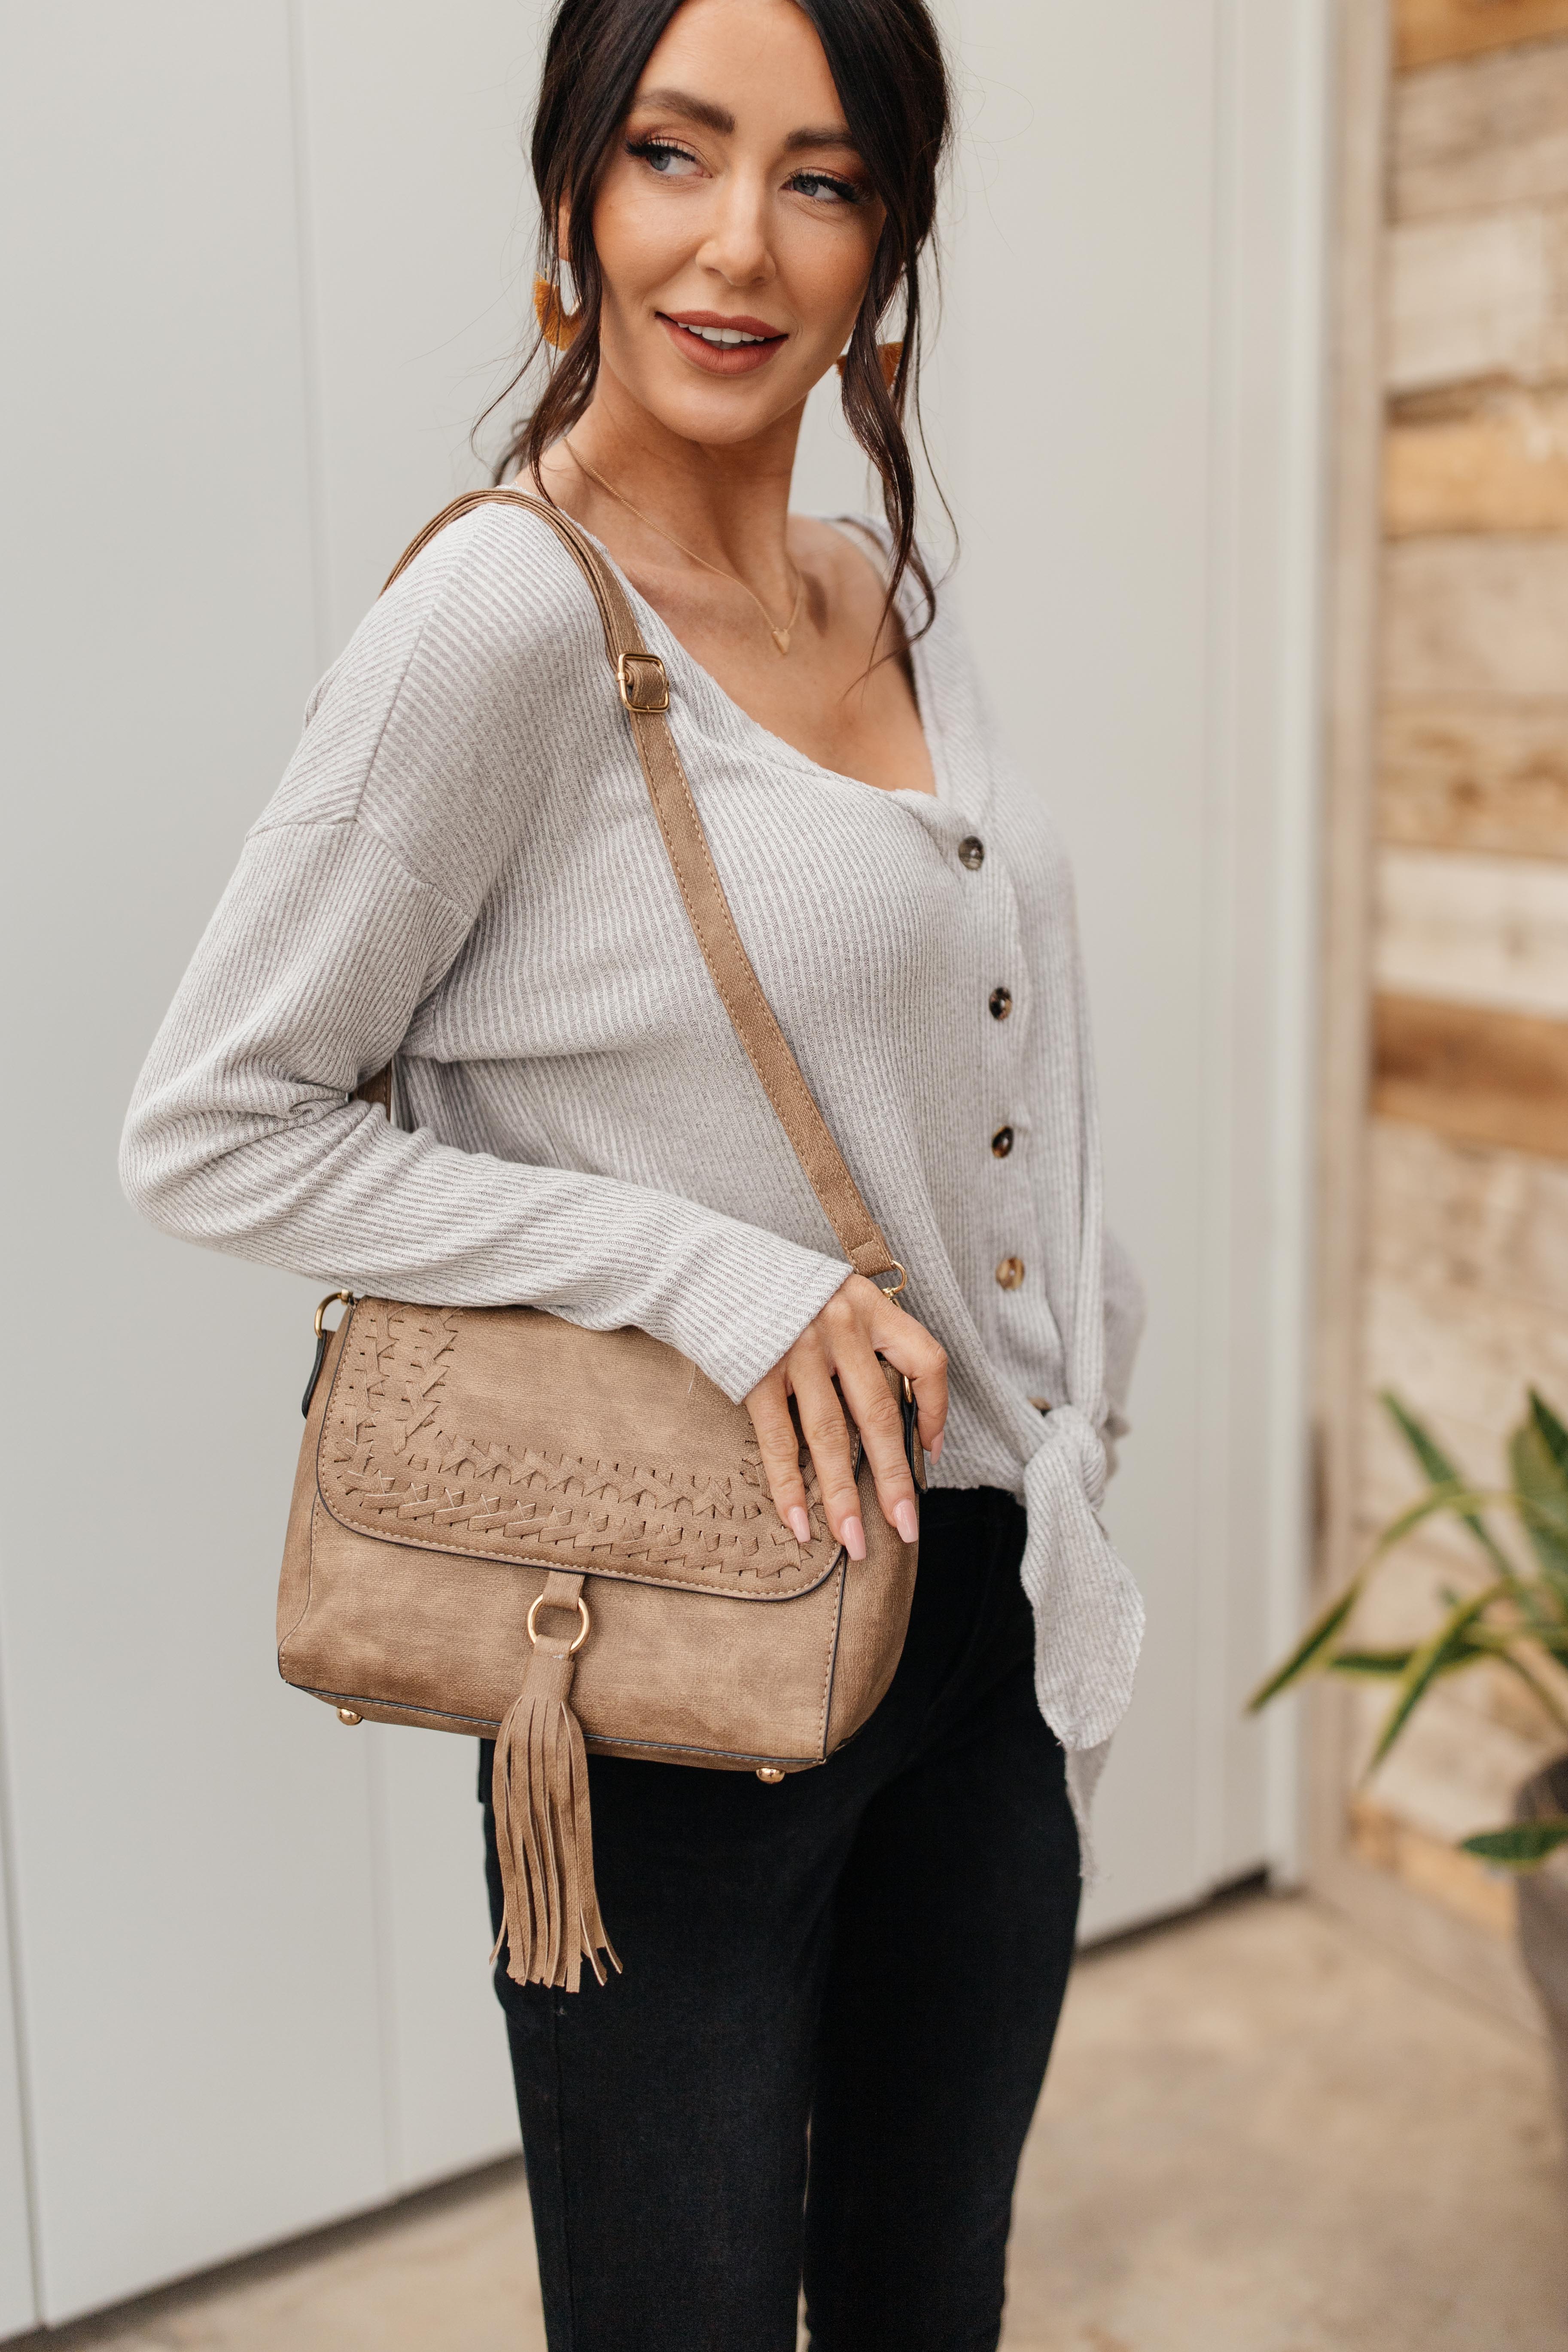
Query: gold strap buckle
(331, 1299)
(581, 1611)
(891, 1290)
(642, 680)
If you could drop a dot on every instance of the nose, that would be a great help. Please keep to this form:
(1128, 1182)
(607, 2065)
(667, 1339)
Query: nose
(736, 246)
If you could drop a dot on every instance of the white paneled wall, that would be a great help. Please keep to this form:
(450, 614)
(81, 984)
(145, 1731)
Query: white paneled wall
(1130, 414)
(251, 1946)
(269, 261)
(417, 249)
(418, 243)
(18, 2305)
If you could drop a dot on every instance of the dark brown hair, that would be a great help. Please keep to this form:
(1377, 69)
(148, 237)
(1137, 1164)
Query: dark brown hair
(887, 64)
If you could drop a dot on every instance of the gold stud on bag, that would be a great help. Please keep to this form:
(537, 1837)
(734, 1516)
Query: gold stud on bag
(563, 1540)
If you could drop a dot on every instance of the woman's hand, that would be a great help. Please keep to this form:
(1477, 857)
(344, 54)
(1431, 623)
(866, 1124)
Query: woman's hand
(857, 1324)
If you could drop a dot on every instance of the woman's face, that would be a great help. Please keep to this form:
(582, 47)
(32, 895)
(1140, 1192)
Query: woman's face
(733, 205)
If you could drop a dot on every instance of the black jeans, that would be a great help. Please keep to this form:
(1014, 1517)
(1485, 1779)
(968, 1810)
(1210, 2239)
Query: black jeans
(878, 1949)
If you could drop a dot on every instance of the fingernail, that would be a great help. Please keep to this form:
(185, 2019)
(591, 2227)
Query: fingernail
(799, 1525)
(906, 1518)
(936, 1445)
(852, 1535)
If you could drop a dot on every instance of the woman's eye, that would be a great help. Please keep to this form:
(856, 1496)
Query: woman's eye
(824, 188)
(669, 161)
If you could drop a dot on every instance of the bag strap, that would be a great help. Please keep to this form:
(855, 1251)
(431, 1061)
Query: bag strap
(645, 693)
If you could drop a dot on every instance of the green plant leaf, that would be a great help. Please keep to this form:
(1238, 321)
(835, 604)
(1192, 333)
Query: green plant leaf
(1463, 1501)
(1547, 1699)
(1542, 1491)
(1441, 1472)
(1387, 1665)
(1443, 1652)
(1422, 1444)
(1307, 1656)
(1523, 1845)
(1554, 1435)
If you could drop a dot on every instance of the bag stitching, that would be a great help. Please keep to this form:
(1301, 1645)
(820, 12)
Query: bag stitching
(565, 1469)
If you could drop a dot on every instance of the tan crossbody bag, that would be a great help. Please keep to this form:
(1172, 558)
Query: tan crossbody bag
(468, 1472)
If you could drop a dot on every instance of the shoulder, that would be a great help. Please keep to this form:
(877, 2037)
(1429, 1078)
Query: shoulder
(462, 679)
(493, 595)
(859, 549)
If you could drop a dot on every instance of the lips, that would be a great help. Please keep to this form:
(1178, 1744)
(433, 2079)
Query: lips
(723, 359)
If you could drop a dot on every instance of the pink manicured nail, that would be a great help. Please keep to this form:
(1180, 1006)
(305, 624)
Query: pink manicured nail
(799, 1525)
(936, 1448)
(907, 1520)
(852, 1535)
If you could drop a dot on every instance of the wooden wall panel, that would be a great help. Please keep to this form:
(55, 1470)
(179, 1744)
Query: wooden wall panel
(1467, 1298)
(1501, 466)
(1470, 1227)
(1472, 136)
(1456, 1771)
(1476, 616)
(1479, 297)
(1473, 1073)
(1474, 930)
(1430, 1867)
(1463, 1275)
(1476, 773)
(1467, 1271)
(1428, 30)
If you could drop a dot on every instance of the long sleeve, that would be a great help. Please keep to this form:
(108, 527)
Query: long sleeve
(354, 898)
(1125, 1316)
(461, 868)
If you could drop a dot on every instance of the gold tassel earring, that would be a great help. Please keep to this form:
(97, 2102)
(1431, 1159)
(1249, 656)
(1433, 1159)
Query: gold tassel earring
(557, 326)
(889, 353)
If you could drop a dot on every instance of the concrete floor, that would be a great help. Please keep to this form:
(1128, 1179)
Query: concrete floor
(1260, 2135)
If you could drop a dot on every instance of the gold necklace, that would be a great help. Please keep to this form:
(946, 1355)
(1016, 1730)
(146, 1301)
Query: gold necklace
(781, 638)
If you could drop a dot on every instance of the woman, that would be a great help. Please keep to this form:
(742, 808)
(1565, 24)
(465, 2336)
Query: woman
(460, 867)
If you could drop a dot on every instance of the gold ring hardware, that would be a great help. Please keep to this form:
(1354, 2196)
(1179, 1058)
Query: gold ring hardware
(347, 1715)
(770, 1773)
(331, 1299)
(583, 1612)
(893, 1289)
(629, 669)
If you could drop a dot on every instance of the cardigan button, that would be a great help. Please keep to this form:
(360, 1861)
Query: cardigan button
(1001, 1142)
(1001, 1004)
(971, 851)
(1010, 1273)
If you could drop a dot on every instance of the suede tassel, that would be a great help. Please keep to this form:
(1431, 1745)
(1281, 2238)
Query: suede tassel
(544, 1832)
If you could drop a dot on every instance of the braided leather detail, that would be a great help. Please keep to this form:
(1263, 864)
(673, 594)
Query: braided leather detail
(392, 1465)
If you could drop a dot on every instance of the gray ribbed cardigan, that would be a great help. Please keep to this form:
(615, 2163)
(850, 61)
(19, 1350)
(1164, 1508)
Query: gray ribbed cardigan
(461, 865)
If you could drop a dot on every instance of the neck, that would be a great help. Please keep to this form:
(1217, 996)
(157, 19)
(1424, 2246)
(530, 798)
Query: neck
(728, 502)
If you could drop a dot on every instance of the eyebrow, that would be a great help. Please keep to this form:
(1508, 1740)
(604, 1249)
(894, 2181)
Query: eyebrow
(831, 135)
(719, 119)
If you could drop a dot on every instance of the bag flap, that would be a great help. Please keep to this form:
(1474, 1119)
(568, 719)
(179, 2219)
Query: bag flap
(461, 1429)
